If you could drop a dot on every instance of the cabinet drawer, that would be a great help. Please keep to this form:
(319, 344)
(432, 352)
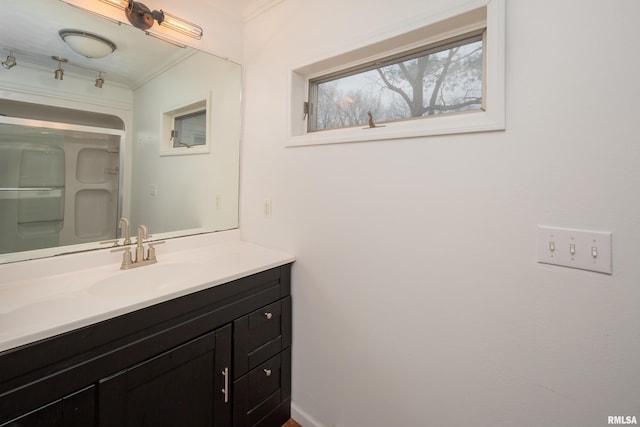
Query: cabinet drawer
(265, 325)
(262, 390)
(260, 335)
(264, 381)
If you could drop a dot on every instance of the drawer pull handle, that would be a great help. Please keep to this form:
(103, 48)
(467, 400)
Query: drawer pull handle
(267, 372)
(268, 315)
(225, 390)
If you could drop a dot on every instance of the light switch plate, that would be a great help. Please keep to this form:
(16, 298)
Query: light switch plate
(583, 249)
(266, 208)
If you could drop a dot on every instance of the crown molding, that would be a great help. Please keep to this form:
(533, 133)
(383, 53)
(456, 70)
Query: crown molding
(254, 8)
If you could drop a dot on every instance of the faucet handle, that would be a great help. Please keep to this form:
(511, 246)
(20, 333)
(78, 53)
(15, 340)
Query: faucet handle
(114, 241)
(151, 252)
(127, 259)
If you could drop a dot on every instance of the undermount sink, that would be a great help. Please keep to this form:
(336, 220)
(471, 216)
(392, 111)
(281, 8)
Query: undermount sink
(145, 279)
(60, 299)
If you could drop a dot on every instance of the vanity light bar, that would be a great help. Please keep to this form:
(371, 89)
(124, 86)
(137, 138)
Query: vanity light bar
(120, 4)
(176, 24)
(140, 16)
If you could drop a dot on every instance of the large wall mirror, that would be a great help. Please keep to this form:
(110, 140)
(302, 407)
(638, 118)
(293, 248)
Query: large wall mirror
(85, 141)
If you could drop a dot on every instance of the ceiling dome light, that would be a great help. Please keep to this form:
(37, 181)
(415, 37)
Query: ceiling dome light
(87, 44)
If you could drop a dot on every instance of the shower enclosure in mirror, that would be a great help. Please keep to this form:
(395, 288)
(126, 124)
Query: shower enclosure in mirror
(58, 185)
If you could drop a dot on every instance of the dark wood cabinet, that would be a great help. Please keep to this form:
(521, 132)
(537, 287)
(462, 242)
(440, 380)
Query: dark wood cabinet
(265, 391)
(216, 358)
(182, 386)
(262, 358)
(49, 415)
(75, 410)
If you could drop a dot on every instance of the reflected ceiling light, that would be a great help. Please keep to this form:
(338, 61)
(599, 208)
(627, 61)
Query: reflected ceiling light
(10, 62)
(59, 73)
(140, 16)
(120, 4)
(99, 81)
(166, 40)
(87, 44)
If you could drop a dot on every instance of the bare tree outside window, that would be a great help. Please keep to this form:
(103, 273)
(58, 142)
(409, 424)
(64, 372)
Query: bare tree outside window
(437, 81)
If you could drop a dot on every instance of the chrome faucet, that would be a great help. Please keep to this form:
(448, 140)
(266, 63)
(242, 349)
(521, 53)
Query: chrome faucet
(143, 233)
(124, 222)
(140, 259)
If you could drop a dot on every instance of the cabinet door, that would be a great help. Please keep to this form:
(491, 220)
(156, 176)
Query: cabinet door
(181, 387)
(49, 415)
(76, 410)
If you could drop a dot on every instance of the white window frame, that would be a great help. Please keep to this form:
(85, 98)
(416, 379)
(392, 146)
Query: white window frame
(168, 124)
(476, 15)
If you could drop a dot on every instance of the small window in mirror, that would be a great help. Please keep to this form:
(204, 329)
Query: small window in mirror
(186, 130)
(190, 130)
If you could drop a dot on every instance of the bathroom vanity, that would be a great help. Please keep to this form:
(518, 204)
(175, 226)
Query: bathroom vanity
(206, 352)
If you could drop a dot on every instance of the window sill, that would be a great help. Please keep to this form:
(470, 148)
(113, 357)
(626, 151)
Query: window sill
(181, 151)
(471, 122)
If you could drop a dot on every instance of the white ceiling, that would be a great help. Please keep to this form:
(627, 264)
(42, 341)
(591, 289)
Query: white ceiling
(252, 8)
(32, 26)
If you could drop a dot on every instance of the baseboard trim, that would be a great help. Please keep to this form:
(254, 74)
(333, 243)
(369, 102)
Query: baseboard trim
(303, 418)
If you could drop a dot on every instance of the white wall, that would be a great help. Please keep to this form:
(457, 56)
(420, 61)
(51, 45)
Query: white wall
(221, 21)
(187, 185)
(417, 297)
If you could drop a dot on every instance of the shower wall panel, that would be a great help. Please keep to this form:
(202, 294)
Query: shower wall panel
(57, 187)
(92, 189)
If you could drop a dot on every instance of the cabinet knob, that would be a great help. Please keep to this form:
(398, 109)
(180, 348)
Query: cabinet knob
(268, 315)
(267, 372)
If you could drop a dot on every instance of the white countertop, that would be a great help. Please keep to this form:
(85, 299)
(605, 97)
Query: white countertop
(43, 298)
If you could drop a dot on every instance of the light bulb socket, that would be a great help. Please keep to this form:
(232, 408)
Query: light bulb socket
(143, 18)
(10, 62)
(139, 15)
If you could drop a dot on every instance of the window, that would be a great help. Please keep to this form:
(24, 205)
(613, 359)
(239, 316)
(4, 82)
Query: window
(190, 130)
(440, 72)
(438, 79)
(185, 130)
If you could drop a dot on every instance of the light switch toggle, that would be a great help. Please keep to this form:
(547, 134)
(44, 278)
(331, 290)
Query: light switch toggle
(583, 249)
